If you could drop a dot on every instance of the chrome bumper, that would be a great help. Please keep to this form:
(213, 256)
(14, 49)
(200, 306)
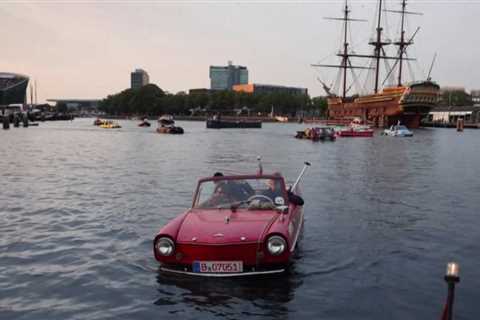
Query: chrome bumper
(222, 275)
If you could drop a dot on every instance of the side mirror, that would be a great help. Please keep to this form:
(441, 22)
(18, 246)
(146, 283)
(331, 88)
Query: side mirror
(294, 199)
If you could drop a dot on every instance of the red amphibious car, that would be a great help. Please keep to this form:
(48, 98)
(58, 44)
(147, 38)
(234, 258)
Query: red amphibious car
(237, 226)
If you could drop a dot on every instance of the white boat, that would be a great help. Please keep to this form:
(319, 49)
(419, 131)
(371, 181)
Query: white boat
(166, 119)
(281, 119)
(398, 131)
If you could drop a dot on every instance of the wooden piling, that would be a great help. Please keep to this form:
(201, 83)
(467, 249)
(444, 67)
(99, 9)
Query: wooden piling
(460, 125)
(6, 122)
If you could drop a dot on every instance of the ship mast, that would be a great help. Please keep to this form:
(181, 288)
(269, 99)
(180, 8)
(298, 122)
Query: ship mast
(345, 63)
(403, 43)
(378, 45)
(345, 51)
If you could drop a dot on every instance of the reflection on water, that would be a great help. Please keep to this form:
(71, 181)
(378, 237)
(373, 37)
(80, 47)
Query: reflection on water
(80, 205)
(258, 296)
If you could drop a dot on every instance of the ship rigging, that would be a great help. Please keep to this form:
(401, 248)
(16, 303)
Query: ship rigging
(387, 105)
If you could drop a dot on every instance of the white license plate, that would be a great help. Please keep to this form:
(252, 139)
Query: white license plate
(217, 266)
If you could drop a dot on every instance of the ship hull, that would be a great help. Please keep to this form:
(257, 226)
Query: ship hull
(407, 104)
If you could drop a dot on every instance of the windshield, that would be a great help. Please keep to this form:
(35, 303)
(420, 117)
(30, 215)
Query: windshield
(259, 193)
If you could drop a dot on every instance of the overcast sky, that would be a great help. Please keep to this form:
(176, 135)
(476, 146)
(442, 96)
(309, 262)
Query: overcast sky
(87, 49)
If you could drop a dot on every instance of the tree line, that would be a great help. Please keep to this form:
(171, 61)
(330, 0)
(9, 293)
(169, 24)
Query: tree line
(153, 101)
(455, 97)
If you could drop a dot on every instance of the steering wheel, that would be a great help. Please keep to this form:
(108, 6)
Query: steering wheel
(261, 196)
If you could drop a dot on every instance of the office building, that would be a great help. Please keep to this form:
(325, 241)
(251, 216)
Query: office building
(225, 77)
(139, 78)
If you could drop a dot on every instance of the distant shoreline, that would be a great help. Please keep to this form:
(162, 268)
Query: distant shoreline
(204, 118)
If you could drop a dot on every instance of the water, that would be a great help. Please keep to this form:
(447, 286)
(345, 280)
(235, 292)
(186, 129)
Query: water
(80, 205)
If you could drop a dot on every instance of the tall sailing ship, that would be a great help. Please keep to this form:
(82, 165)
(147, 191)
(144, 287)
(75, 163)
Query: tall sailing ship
(386, 105)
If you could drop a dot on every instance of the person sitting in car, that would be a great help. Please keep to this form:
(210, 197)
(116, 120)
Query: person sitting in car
(274, 190)
(227, 192)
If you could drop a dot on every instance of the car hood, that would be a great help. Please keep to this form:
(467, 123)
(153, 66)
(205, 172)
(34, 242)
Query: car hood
(224, 226)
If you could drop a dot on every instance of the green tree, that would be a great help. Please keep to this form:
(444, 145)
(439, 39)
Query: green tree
(145, 98)
(456, 97)
(222, 100)
(176, 103)
(198, 100)
(319, 106)
(142, 101)
(152, 100)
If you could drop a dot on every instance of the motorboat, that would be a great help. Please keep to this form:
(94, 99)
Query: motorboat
(317, 134)
(218, 123)
(355, 129)
(98, 122)
(398, 131)
(110, 125)
(281, 119)
(166, 124)
(170, 129)
(166, 120)
(144, 123)
(238, 225)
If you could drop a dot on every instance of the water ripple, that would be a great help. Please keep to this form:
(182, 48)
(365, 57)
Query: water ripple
(78, 213)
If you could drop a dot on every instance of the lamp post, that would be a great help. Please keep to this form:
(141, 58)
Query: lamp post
(451, 277)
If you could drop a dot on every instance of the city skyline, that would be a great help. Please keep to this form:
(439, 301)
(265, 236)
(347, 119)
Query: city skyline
(61, 44)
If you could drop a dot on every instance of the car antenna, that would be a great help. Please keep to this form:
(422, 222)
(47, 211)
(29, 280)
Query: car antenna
(260, 167)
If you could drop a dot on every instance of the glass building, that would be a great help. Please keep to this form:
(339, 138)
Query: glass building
(225, 77)
(139, 78)
(13, 88)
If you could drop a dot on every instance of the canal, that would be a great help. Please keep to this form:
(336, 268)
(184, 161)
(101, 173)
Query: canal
(80, 205)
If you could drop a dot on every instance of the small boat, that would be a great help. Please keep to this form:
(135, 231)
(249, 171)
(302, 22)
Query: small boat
(170, 129)
(167, 125)
(317, 134)
(144, 123)
(238, 225)
(232, 124)
(398, 131)
(98, 122)
(281, 119)
(166, 119)
(110, 125)
(355, 129)
(352, 133)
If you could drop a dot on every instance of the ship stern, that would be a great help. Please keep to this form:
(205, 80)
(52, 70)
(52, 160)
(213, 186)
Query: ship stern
(416, 102)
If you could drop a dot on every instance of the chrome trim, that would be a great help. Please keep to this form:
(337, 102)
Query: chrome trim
(222, 275)
(294, 244)
(281, 239)
(170, 241)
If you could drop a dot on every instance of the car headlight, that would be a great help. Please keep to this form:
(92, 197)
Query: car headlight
(165, 246)
(276, 245)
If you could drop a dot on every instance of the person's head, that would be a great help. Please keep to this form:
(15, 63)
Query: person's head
(273, 184)
(219, 183)
(217, 175)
